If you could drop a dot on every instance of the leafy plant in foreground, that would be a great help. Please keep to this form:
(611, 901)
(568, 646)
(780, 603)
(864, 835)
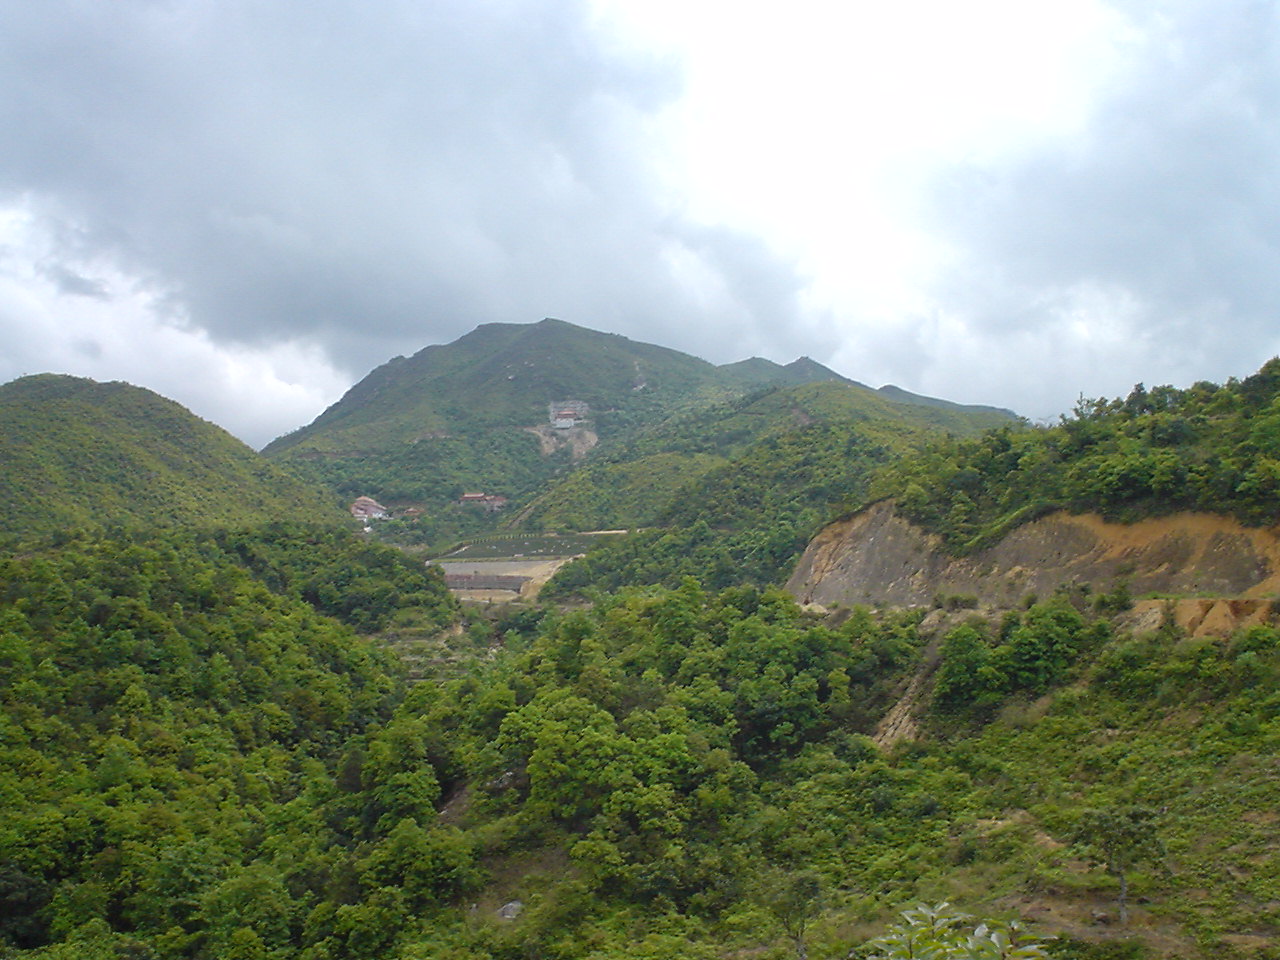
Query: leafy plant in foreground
(943, 933)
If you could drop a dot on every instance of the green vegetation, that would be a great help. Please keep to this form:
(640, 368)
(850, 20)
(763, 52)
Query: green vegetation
(1208, 447)
(179, 748)
(360, 583)
(943, 933)
(198, 764)
(1120, 839)
(208, 751)
(762, 475)
(423, 429)
(434, 472)
(80, 454)
(462, 417)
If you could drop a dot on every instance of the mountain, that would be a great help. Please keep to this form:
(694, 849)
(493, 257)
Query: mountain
(758, 371)
(477, 415)
(500, 375)
(899, 395)
(481, 414)
(202, 759)
(79, 453)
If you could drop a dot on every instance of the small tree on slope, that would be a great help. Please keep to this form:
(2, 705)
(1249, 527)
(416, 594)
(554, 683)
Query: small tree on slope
(1119, 838)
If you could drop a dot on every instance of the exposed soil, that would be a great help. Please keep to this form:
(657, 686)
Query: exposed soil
(579, 440)
(1230, 572)
(901, 722)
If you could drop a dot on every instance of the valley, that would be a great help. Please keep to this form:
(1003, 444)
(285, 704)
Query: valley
(822, 652)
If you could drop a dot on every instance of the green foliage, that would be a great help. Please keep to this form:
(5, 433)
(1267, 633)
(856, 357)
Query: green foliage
(456, 417)
(762, 475)
(363, 584)
(793, 899)
(80, 454)
(1208, 447)
(195, 761)
(943, 933)
(1034, 651)
(173, 742)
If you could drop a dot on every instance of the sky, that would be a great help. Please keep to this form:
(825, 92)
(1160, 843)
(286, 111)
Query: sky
(247, 205)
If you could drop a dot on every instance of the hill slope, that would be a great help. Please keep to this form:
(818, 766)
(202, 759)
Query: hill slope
(698, 461)
(877, 557)
(80, 453)
(499, 375)
(473, 415)
(478, 415)
(734, 492)
(1206, 448)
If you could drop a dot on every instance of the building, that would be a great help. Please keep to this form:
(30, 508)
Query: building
(565, 414)
(367, 508)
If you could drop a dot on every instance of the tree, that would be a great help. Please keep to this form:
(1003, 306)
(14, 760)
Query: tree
(943, 933)
(1119, 838)
(793, 899)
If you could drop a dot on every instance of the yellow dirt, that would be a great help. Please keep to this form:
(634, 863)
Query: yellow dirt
(1227, 573)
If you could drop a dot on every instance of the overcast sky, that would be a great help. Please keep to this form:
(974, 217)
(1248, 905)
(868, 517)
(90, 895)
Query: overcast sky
(246, 205)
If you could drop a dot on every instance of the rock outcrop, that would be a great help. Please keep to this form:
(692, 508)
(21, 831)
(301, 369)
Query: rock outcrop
(877, 557)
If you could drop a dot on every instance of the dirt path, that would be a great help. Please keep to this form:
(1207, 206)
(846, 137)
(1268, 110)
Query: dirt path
(900, 722)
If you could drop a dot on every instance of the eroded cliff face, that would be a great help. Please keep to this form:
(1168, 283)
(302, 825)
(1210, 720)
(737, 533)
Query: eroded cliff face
(876, 557)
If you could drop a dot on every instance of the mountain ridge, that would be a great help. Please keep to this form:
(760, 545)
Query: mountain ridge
(478, 414)
(78, 453)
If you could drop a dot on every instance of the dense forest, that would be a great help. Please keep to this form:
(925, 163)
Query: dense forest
(199, 763)
(216, 741)
(79, 454)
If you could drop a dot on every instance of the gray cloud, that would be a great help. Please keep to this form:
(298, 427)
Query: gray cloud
(369, 177)
(1160, 223)
(67, 281)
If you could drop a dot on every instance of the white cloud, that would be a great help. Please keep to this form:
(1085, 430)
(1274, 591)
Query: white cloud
(88, 318)
(975, 200)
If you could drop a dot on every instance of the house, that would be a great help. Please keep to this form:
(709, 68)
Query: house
(565, 414)
(367, 508)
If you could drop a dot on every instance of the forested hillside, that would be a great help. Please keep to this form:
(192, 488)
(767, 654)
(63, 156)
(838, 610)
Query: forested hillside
(732, 493)
(461, 416)
(211, 751)
(474, 415)
(1207, 447)
(177, 712)
(196, 766)
(76, 453)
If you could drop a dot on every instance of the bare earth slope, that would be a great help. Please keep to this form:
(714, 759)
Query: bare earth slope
(877, 557)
